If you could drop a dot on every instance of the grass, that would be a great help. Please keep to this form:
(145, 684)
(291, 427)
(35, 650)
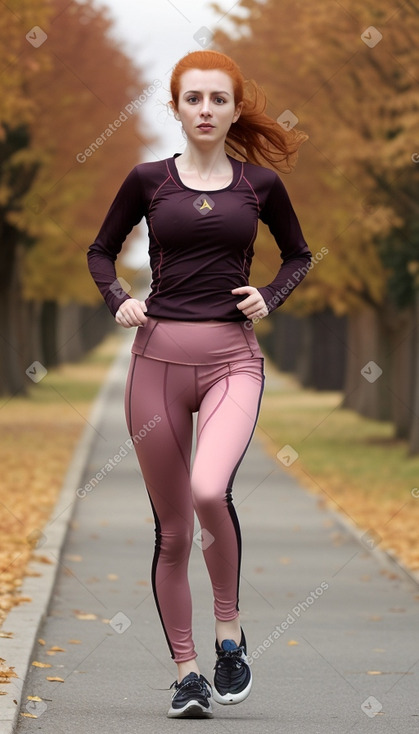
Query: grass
(353, 463)
(38, 434)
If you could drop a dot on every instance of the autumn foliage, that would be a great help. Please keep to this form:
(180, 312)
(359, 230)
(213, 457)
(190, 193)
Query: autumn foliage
(69, 135)
(348, 73)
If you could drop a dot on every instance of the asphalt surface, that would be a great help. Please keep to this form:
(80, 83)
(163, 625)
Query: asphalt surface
(331, 627)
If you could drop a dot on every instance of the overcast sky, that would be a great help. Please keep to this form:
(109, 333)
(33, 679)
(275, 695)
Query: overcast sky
(156, 34)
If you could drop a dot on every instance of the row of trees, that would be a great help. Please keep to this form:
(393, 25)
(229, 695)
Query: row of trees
(349, 73)
(64, 84)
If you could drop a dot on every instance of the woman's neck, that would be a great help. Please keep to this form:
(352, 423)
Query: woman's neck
(204, 163)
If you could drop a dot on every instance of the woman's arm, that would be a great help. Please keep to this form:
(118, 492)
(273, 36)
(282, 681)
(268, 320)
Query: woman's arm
(281, 219)
(126, 210)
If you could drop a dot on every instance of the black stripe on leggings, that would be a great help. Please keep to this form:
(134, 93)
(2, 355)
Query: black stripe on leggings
(154, 570)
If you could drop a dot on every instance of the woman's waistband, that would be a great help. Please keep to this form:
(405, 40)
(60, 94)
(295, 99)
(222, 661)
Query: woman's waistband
(196, 342)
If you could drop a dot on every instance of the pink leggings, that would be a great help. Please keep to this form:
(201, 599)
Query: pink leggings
(161, 397)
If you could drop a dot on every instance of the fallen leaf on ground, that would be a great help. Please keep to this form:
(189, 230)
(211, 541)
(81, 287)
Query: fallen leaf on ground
(37, 664)
(28, 716)
(85, 615)
(6, 634)
(55, 678)
(74, 642)
(6, 673)
(33, 698)
(293, 642)
(56, 648)
(112, 576)
(41, 641)
(73, 557)
(42, 559)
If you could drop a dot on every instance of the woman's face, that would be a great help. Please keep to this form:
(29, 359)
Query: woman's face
(206, 105)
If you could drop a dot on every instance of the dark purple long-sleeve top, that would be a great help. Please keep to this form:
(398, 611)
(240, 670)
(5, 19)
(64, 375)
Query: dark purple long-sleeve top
(200, 243)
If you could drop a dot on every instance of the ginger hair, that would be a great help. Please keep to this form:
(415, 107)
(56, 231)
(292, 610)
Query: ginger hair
(254, 137)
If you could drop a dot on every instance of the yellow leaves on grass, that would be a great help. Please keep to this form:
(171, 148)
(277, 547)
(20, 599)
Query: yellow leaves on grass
(29, 484)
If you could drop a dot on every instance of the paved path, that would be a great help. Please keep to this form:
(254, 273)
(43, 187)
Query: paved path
(332, 612)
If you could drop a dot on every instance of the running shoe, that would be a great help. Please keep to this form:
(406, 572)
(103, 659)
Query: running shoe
(191, 698)
(232, 677)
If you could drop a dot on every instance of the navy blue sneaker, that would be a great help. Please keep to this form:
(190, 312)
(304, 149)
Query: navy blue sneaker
(232, 677)
(191, 698)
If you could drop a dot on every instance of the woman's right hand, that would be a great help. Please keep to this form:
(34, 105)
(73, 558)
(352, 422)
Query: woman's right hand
(131, 313)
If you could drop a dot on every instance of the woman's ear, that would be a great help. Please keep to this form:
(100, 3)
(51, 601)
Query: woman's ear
(237, 113)
(173, 108)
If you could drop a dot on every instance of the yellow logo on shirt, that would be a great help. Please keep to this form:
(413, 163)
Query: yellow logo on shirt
(205, 205)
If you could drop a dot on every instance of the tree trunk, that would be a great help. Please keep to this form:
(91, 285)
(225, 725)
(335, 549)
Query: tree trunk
(283, 342)
(69, 325)
(368, 371)
(414, 430)
(327, 350)
(49, 319)
(96, 322)
(12, 328)
(403, 373)
(33, 346)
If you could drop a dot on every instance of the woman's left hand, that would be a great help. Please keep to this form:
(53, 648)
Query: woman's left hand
(253, 307)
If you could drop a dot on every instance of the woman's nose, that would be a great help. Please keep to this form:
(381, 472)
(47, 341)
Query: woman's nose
(205, 108)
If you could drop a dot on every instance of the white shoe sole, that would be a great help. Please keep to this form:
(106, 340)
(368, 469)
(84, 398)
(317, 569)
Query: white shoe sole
(232, 698)
(191, 710)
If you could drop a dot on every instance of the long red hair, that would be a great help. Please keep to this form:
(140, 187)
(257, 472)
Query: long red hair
(255, 137)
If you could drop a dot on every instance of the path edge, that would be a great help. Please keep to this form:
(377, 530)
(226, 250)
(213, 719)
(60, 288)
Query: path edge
(25, 620)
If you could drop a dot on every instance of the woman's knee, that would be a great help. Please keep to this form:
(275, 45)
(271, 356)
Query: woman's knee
(207, 496)
(176, 543)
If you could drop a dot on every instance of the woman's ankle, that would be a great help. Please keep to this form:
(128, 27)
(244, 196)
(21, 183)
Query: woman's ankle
(184, 668)
(230, 630)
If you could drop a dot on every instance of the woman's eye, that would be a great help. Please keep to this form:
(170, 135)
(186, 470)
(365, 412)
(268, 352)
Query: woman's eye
(192, 99)
(220, 100)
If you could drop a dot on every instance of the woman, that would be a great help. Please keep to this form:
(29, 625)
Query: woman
(195, 349)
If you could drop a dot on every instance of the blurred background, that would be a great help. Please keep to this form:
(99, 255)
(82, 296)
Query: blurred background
(84, 88)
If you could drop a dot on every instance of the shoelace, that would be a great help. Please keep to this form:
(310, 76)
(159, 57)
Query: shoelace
(233, 657)
(192, 682)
